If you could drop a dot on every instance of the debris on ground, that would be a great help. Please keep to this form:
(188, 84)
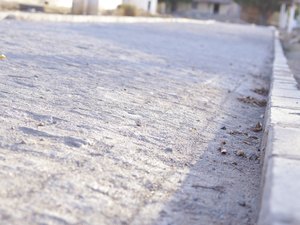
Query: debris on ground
(2, 57)
(258, 127)
(237, 132)
(250, 140)
(193, 129)
(261, 91)
(168, 149)
(41, 124)
(223, 128)
(224, 151)
(215, 188)
(240, 153)
(253, 137)
(253, 156)
(22, 142)
(253, 101)
(242, 203)
(138, 122)
(247, 142)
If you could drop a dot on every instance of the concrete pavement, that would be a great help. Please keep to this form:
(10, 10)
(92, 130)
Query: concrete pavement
(123, 123)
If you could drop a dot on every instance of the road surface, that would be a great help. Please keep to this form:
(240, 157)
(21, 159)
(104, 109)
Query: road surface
(125, 123)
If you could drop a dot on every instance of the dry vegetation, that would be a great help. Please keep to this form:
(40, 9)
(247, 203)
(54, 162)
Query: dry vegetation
(130, 10)
(8, 6)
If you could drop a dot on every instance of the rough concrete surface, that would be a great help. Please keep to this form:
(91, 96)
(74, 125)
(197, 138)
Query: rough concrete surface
(125, 123)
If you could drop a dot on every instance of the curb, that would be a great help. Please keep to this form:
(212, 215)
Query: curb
(94, 19)
(281, 171)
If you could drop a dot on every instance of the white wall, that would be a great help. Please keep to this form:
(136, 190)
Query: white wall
(57, 3)
(109, 4)
(230, 10)
(183, 6)
(33, 2)
(143, 4)
(205, 8)
(60, 3)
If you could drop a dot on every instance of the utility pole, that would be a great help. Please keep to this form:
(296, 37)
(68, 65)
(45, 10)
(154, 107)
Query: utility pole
(283, 16)
(292, 16)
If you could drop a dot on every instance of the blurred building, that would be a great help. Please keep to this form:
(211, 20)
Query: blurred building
(55, 3)
(289, 17)
(59, 6)
(201, 8)
(83, 7)
(91, 6)
(59, 3)
(109, 4)
(149, 6)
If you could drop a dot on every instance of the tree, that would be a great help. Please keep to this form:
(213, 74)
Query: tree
(265, 7)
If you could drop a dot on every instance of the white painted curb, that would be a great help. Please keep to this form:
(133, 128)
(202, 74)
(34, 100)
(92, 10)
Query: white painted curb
(281, 174)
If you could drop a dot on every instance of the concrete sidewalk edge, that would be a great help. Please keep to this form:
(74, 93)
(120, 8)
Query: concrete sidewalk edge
(280, 203)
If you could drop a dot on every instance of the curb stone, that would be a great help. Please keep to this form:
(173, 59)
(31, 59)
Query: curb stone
(281, 173)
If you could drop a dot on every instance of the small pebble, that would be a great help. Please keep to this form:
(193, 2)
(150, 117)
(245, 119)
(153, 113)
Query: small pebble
(240, 153)
(242, 203)
(2, 57)
(258, 127)
(223, 128)
(253, 156)
(138, 123)
(22, 142)
(224, 151)
(168, 150)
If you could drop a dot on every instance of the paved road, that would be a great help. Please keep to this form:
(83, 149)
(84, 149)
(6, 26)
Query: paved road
(121, 123)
